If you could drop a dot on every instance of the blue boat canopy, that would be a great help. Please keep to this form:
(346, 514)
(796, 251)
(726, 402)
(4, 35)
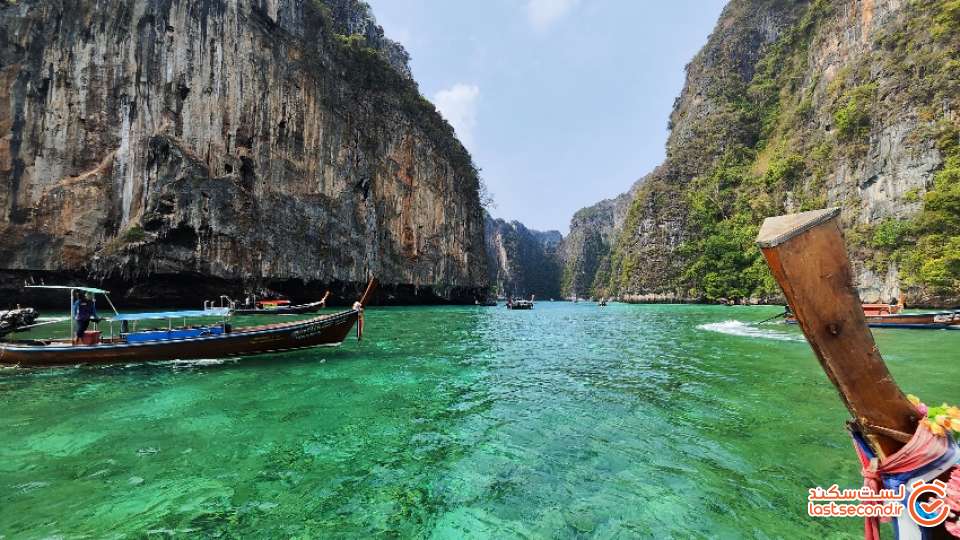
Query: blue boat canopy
(212, 312)
(90, 290)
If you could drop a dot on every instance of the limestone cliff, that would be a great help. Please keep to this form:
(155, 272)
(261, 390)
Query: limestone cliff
(585, 253)
(192, 147)
(804, 104)
(522, 261)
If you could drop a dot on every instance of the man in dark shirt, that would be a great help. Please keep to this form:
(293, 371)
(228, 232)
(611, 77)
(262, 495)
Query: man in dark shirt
(84, 310)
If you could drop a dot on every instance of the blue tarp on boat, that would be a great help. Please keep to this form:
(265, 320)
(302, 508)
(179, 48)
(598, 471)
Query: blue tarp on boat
(214, 312)
(168, 335)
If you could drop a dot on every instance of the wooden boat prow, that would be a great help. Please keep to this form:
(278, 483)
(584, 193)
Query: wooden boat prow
(808, 258)
(780, 229)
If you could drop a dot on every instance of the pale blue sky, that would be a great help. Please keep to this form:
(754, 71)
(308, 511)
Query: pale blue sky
(561, 102)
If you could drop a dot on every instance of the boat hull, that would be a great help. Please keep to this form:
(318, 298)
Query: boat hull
(328, 330)
(918, 321)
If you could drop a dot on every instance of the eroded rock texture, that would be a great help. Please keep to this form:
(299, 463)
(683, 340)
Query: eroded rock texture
(523, 261)
(792, 106)
(585, 251)
(185, 147)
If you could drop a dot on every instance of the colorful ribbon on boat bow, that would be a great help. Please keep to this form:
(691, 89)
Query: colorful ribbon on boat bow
(925, 450)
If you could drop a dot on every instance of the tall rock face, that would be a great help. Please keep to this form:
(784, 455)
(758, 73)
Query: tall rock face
(184, 148)
(798, 105)
(585, 253)
(523, 261)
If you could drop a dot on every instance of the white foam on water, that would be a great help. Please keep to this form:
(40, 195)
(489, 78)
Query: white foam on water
(203, 362)
(30, 486)
(740, 328)
(178, 363)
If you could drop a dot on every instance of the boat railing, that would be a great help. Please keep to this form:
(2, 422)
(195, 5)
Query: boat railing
(223, 302)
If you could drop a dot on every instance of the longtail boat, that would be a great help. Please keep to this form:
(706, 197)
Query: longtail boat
(895, 441)
(279, 307)
(928, 321)
(208, 341)
(520, 304)
(884, 309)
(17, 319)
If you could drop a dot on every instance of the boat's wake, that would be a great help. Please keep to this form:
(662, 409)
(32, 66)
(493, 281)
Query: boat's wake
(740, 328)
(188, 363)
(173, 364)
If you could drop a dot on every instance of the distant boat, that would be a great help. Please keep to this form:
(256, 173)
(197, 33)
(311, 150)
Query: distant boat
(217, 340)
(520, 304)
(277, 307)
(919, 321)
(17, 319)
(602, 302)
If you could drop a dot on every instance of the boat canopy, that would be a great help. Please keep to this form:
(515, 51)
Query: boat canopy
(68, 287)
(212, 312)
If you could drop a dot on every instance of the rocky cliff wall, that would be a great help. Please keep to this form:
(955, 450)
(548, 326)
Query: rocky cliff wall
(173, 146)
(585, 253)
(798, 105)
(523, 261)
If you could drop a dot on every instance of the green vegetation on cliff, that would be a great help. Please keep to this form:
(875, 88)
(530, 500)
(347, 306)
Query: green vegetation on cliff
(779, 137)
(923, 53)
(929, 244)
(368, 69)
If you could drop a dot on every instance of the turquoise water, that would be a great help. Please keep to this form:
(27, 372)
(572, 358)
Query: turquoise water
(567, 421)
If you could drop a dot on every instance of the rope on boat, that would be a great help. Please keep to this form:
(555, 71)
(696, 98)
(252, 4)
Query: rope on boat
(889, 432)
(777, 316)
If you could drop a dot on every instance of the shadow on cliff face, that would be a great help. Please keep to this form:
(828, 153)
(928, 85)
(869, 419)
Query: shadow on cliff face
(190, 291)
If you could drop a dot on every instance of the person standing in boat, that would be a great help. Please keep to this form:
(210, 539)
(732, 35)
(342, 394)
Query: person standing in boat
(84, 310)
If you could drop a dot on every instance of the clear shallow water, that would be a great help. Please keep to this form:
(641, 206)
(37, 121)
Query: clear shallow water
(567, 421)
